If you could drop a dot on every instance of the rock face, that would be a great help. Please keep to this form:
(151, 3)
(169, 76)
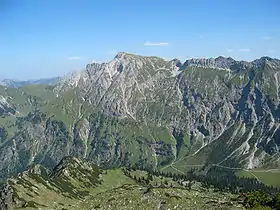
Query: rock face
(5, 107)
(217, 63)
(149, 112)
(6, 197)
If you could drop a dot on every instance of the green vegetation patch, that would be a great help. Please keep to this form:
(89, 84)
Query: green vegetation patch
(270, 178)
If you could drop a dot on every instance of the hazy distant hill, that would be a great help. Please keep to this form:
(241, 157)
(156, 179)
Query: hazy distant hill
(16, 83)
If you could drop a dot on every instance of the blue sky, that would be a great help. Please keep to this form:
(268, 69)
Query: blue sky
(45, 38)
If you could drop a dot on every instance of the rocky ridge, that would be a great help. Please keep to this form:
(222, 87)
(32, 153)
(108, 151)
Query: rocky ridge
(77, 184)
(187, 90)
(154, 113)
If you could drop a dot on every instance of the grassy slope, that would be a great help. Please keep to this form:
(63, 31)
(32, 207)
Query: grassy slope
(118, 191)
(270, 178)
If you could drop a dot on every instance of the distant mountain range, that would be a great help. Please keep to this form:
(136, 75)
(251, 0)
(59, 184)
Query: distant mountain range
(18, 83)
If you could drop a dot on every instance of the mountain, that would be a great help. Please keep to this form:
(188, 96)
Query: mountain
(16, 83)
(147, 112)
(76, 184)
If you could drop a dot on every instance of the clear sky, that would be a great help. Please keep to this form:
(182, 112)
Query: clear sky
(45, 38)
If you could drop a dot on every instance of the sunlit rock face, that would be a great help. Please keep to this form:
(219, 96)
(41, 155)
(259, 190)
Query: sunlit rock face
(149, 112)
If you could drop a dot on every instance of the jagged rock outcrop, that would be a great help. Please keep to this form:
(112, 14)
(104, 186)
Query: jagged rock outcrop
(216, 63)
(5, 107)
(6, 197)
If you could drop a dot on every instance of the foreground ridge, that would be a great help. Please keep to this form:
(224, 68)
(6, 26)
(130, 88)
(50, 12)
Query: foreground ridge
(75, 184)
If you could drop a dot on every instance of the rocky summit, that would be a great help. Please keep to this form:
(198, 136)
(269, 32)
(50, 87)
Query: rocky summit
(147, 112)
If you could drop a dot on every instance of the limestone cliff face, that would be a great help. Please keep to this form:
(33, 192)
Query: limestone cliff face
(147, 111)
(207, 99)
(5, 107)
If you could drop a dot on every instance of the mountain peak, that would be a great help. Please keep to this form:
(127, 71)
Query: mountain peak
(265, 60)
(177, 62)
(122, 55)
(228, 63)
(219, 62)
(71, 166)
(222, 58)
